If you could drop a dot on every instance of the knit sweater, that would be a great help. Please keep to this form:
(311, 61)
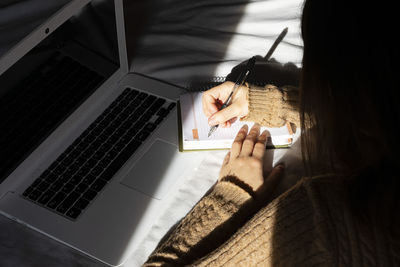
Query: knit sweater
(272, 106)
(309, 225)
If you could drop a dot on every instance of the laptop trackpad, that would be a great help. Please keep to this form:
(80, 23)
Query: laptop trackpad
(155, 173)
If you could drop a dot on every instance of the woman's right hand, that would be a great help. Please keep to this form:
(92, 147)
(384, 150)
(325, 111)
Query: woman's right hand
(214, 98)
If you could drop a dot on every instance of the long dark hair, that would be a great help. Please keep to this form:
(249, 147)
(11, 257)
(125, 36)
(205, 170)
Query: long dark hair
(349, 97)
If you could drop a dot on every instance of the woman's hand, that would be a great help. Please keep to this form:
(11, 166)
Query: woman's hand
(245, 162)
(214, 98)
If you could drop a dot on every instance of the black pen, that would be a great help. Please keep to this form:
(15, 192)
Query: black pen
(276, 43)
(239, 82)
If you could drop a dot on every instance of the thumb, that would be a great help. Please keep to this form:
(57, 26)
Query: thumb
(224, 115)
(271, 182)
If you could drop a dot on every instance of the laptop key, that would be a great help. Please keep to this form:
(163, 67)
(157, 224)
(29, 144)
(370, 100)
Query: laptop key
(142, 96)
(156, 105)
(67, 188)
(171, 106)
(89, 195)
(83, 171)
(81, 160)
(56, 186)
(43, 186)
(96, 171)
(46, 197)
(90, 163)
(146, 117)
(162, 112)
(138, 125)
(76, 179)
(35, 194)
(142, 135)
(98, 185)
(51, 178)
(119, 146)
(132, 94)
(56, 200)
(150, 127)
(105, 147)
(111, 155)
(64, 178)
(68, 202)
(148, 101)
(159, 120)
(89, 179)
(73, 213)
(59, 170)
(80, 188)
(81, 203)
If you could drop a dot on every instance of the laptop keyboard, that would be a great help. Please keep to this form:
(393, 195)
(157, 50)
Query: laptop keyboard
(78, 175)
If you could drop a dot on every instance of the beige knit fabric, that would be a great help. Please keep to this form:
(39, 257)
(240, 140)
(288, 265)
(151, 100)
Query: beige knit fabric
(310, 225)
(272, 106)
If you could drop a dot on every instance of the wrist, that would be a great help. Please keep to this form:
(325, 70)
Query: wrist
(236, 181)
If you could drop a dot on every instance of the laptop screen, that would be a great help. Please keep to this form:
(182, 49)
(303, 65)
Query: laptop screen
(53, 79)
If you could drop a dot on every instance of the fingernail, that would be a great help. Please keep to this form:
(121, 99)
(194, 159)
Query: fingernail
(212, 122)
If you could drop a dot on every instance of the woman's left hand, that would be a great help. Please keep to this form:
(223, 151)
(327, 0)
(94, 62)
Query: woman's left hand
(245, 161)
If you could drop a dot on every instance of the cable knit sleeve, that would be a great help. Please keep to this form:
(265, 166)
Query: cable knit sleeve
(212, 221)
(272, 106)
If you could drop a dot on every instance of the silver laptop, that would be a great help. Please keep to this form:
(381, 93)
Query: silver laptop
(89, 150)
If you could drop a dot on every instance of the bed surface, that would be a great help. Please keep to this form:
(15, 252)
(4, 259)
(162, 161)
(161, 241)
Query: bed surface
(183, 42)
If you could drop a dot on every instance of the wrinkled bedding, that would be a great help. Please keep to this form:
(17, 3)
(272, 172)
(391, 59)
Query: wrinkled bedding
(190, 41)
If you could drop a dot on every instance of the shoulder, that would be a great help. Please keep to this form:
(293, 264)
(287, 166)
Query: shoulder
(303, 220)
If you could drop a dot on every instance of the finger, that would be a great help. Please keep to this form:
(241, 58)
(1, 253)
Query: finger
(209, 104)
(224, 115)
(237, 143)
(271, 182)
(210, 97)
(230, 122)
(259, 147)
(226, 159)
(248, 144)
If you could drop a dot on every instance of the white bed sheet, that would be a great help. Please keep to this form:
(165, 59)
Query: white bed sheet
(189, 41)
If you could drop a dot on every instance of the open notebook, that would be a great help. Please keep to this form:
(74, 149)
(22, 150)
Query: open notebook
(194, 128)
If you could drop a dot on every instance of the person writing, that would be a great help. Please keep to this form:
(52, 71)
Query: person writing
(345, 211)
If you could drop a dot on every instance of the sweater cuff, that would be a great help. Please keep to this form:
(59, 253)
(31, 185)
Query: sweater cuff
(232, 194)
(272, 107)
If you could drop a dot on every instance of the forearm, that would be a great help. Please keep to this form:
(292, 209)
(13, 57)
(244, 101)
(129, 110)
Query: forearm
(203, 229)
(272, 106)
